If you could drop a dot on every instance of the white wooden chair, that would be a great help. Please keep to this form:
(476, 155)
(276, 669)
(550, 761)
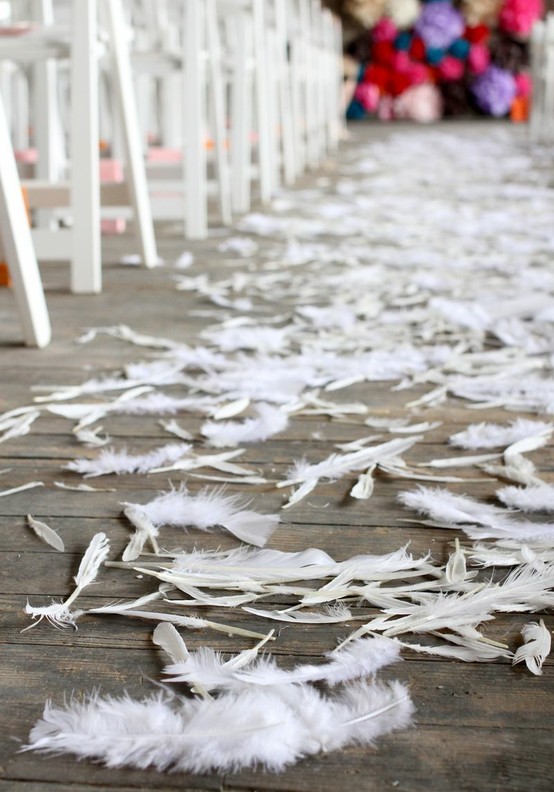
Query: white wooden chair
(187, 66)
(16, 246)
(78, 43)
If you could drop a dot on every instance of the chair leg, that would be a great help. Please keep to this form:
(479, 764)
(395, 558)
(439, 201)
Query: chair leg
(18, 247)
(241, 115)
(194, 111)
(263, 114)
(86, 263)
(218, 109)
(135, 172)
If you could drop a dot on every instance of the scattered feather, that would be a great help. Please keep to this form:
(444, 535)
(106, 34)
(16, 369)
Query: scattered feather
(120, 462)
(19, 426)
(59, 613)
(270, 728)
(536, 498)
(268, 422)
(206, 510)
(82, 487)
(536, 648)
(47, 534)
(22, 488)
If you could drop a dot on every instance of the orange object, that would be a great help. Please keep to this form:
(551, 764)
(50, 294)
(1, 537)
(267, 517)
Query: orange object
(5, 277)
(519, 111)
(25, 194)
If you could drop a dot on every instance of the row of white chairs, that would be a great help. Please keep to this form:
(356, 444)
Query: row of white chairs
(245, 93)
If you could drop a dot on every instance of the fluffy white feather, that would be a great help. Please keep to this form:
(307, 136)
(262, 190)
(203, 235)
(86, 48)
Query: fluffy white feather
(537, 646)
(338, 465)
(536, 498)
(268, 422)
(210, 508)
(477, 520)
(121, 462)
(272, 728)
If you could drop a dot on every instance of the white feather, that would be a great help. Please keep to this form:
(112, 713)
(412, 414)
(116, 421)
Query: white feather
(59, 613)
(206, 510)
(272, 728)
(121, 462)
(145, 531)
(43, 531)
(329, 615)
(477, 520)
(338, 465)
(268, 422)
(536, 498)
(19, 426)
(537, 646)
(22, 488)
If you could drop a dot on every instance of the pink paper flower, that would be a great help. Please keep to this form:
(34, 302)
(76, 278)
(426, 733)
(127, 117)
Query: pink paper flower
(524, 84)
(451, 68)
(401, 61)
(367, 95)
(385, 30)
(385, 109)
(479, 58)
(421, 103)
(418, 73)
(519, 16)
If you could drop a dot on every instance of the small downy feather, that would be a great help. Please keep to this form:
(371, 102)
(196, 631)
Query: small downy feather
(43, 531)
(145, 531)
(536, 648)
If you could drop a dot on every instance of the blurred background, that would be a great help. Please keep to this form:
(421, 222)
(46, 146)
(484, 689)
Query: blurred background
(423, 60)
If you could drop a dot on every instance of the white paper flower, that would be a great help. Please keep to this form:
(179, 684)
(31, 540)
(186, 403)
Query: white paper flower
(403, 12)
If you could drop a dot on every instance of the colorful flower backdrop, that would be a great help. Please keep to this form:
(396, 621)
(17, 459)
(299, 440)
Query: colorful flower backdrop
(425, 59)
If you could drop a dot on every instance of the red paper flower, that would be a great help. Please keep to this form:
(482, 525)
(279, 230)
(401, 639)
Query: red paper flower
(417, 49)
(383, 52)
(477, 34)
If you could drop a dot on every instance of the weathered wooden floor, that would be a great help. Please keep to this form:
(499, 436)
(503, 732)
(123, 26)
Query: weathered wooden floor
(478, 726)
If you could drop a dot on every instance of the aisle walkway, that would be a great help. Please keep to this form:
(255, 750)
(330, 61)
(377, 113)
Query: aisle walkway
(348, 341)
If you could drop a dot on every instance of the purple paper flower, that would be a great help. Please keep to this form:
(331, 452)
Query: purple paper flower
(440, 24)
(494, 91)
